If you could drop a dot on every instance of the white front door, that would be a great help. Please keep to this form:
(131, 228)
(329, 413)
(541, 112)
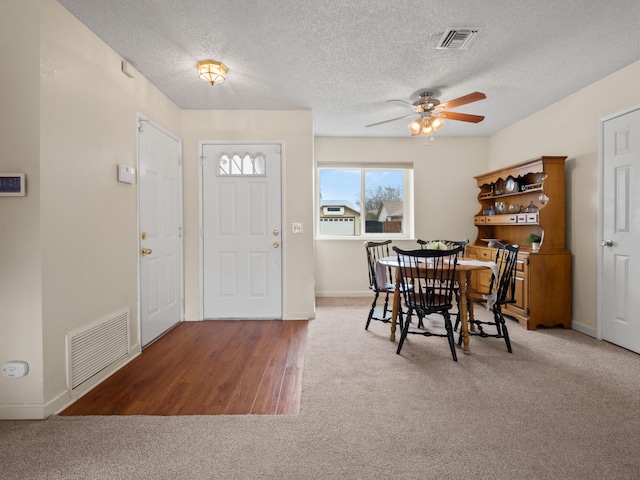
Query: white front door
(620, 272)
(160, 231)
(241, 231)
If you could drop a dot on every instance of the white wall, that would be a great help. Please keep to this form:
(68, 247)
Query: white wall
(445, 199)
(295, 130)
(569, 127)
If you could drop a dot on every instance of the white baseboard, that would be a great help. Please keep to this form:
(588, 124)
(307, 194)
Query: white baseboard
(361, 293)
(579, 327)
(300, 316)
(57, 404)
(25, 411)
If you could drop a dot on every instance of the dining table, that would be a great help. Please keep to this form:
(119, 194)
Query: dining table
(463, 271)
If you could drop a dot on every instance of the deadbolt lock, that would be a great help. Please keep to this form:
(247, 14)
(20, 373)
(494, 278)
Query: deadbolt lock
(276, 232)
(143, 235)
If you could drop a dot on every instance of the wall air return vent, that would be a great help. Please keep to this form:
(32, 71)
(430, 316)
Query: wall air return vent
(457, 38)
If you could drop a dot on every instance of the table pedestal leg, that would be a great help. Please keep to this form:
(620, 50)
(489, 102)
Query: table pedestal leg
(464, 314)
(394, 311)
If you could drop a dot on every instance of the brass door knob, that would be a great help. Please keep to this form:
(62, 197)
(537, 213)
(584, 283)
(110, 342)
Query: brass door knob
(276, 244)
(146, 251)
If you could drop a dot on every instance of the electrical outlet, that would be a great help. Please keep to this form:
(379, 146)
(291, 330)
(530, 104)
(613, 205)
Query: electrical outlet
(296, 228)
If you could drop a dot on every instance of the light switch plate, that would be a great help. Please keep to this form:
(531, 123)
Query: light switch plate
(126, 174)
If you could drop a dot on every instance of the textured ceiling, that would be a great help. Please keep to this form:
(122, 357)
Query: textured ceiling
(344, 59)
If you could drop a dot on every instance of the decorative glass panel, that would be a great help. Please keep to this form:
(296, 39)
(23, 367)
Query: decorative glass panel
(242, 165)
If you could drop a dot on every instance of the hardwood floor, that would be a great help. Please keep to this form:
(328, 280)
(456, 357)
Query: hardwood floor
(208, 368)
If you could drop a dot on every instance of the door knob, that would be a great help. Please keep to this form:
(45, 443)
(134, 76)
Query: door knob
(607, 243)
(276, 244)
(146, 251)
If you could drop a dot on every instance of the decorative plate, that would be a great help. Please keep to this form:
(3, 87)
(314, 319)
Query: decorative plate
(511, 186)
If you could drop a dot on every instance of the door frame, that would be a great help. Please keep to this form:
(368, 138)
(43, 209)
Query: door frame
(283, 232)
(600, 237)
(140, 120)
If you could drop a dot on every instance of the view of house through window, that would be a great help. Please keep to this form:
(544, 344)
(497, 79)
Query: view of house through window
(356, 201)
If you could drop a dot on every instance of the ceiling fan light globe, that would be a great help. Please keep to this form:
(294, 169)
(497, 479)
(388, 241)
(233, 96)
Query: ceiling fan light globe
(415, 127)
(437, 123)
(427, 129)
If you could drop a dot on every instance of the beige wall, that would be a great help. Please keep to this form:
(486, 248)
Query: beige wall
(295, 130)
(77, 227)
(20, 237)
(89, 224)
(445, 199)
(570, 127)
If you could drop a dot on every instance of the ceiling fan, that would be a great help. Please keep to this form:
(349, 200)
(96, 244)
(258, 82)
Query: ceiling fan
(432, 113)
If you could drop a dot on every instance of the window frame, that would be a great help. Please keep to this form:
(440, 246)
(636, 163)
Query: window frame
(407, 195)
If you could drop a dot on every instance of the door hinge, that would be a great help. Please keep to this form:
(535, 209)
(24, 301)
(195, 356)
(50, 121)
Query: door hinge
(141, 125)
(180, 232)
(179, 160)
(526, 312)
(528, 260)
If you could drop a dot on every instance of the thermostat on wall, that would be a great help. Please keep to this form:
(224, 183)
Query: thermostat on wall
(12, 185)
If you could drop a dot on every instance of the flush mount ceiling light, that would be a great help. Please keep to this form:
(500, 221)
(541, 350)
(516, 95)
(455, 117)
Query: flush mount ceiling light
(212, 71)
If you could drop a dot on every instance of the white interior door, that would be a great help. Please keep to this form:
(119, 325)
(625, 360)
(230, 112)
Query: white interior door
(160, 232)
(620, 273)
(241, 231)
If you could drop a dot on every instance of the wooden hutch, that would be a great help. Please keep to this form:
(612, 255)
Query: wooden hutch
(516, 201)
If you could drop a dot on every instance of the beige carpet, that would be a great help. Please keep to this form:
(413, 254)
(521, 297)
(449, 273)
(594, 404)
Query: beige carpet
(562, 406)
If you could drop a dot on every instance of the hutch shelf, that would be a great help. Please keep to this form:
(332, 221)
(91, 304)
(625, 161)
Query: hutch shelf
(517, 201)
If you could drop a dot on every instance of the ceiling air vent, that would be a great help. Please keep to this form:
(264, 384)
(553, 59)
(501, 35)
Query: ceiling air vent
(457, 38)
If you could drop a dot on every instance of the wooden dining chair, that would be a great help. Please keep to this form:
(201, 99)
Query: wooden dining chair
(501, 292)
(425, 244)
(381, 281)
(431, 273)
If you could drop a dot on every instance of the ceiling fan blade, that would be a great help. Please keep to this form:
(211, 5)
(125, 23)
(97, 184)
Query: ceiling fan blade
(405, 104)
(456, 102)
(463, 117)
(393, 119)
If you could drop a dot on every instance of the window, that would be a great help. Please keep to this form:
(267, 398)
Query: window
(365, 201)
(242, 165)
